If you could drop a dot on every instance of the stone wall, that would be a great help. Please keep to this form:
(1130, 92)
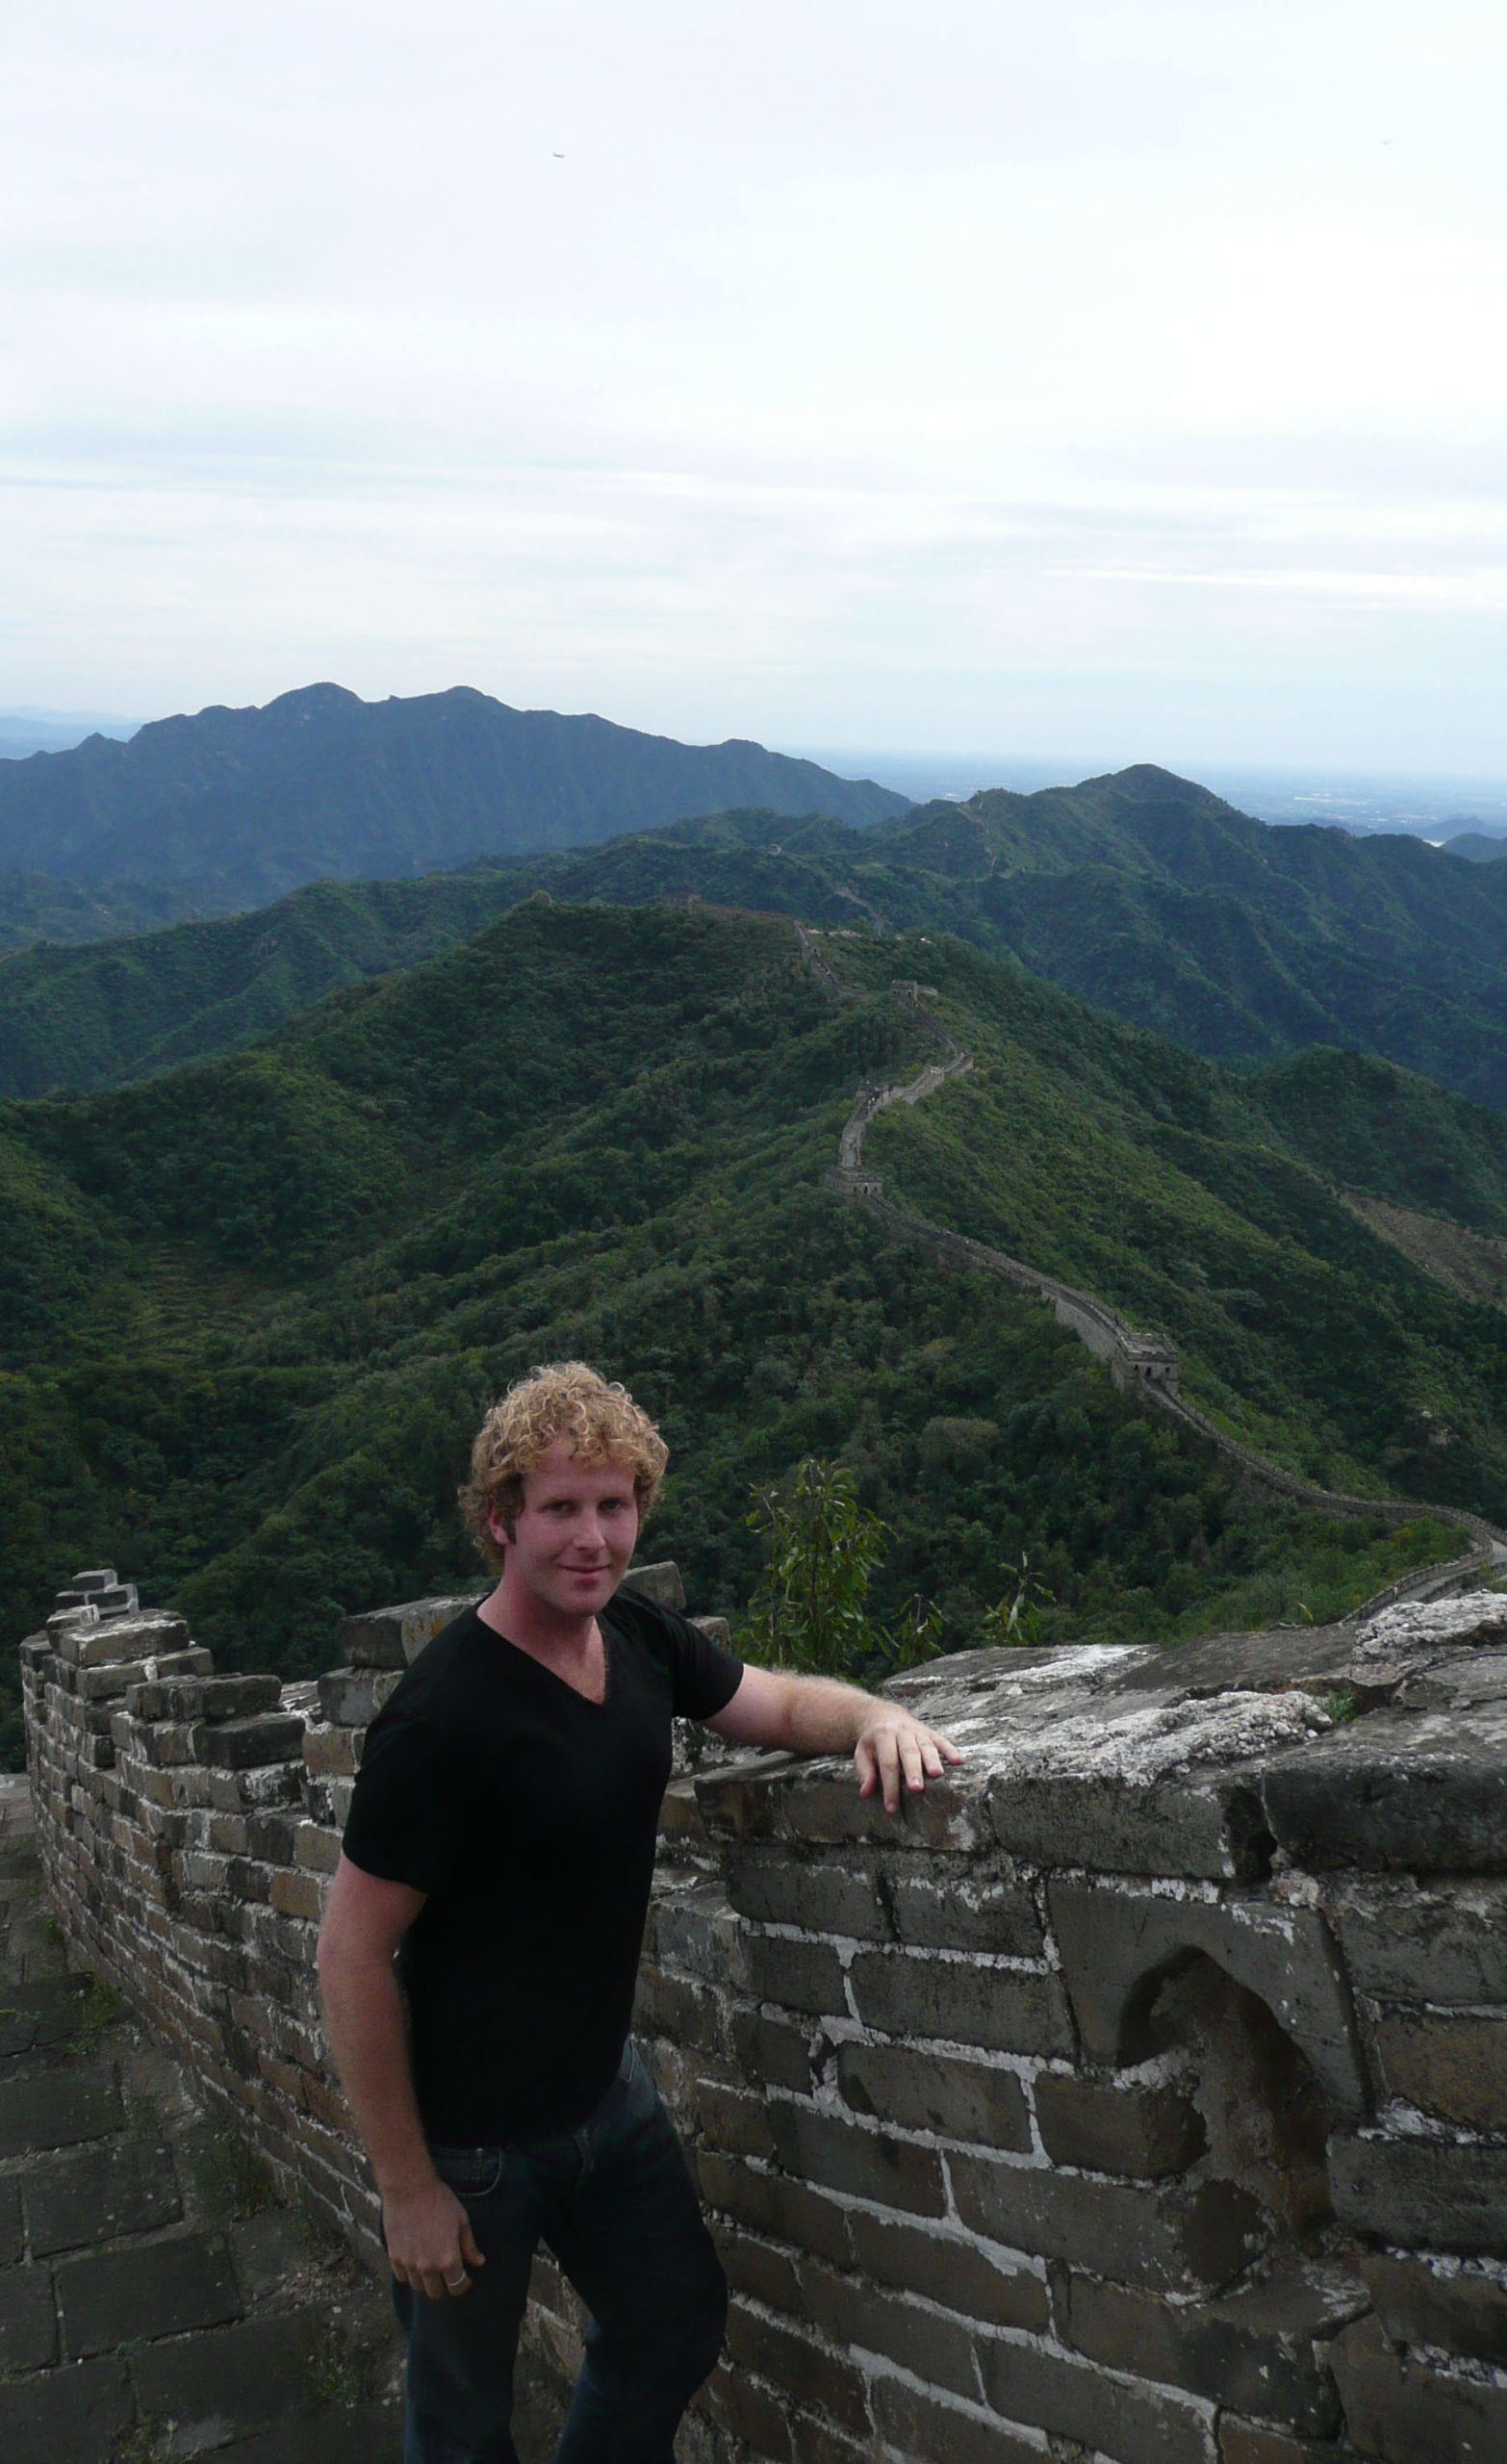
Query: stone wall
(1138, 2093)
(1145, 1364)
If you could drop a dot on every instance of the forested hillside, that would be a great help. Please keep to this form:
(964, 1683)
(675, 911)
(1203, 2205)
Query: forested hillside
(232, 807)
(1138, 892)
(253, 1307)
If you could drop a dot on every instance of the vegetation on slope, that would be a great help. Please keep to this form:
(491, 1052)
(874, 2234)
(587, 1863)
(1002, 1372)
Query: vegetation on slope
(1141, 893)
(255, 1306)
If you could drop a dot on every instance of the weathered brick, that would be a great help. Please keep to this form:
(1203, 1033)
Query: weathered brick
(694, 1930)
(1259, 2351)
(1453, 2065)
(771, 2051)
(1247, 2442)
(1458, 2308)
(1115, 1942)
(105, 1685)
(391, 1637)
(797, 1975)
(680, 1816)
(58, 2108)
(965, 2100)
(672, 2006)
(165, 1747)
(329, 1752)
(1428, 2194)
(823, 1894)
(963, 1904)
(772, 2204)
(816, 2441)
(962, 2001)
(250, 1878)
(926, 2430)
(217, 1698)
(1421, 1792)
(121, 1639)
(768, 2275)
(752, 2412)
(857, 2318)
(236, 1745)
(106, 2188)
(738, 2125)
(809, 2372)
(351, 1697)
(28, 2320)
(1169, 2239)
(818, 1802)
(1437, 1941)
(1109, 2128)
(271, 1833)
(866, 2163)
(79, 2410)
(1031, 2384)
(316, 1849)
(1403, 2412)
(114, 2297)
(941, 2264)
(298, 1894)
(1205, 1826)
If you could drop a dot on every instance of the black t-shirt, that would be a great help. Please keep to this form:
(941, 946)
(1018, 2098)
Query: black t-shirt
(528, 1815)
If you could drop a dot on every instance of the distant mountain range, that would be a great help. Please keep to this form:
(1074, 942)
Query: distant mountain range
(233, 807)
(1478, 846)
(1139, 893)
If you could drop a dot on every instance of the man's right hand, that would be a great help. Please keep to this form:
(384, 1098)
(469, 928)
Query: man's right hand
(431, 2246)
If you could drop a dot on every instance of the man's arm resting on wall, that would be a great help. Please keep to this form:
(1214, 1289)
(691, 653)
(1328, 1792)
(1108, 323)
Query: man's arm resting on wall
(426, 2228)
(893, 1751)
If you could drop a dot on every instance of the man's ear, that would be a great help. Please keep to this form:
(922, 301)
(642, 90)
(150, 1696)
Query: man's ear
(499, 1529)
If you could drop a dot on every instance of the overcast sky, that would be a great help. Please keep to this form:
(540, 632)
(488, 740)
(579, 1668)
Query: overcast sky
(1126, 381)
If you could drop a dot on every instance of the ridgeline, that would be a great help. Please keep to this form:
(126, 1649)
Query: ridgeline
(253, 1307)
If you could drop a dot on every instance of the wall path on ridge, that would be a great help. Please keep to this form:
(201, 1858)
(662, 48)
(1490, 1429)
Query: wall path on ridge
(1142, 1364)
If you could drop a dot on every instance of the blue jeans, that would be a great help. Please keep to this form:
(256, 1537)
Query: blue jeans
(613, 2199)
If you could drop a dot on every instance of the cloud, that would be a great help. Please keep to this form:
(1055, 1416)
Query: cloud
(951, 350)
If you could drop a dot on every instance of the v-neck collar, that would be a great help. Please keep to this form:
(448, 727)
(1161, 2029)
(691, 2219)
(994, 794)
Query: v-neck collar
(591, 1701)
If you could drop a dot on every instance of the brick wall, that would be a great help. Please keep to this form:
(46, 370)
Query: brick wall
(1141, 2094)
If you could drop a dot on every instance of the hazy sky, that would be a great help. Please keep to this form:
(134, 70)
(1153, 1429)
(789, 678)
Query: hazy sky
(1127, 380)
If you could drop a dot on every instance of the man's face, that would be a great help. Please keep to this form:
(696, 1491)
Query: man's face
(574, 1533)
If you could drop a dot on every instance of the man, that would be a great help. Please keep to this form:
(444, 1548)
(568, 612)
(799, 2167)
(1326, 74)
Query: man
(501, 1845)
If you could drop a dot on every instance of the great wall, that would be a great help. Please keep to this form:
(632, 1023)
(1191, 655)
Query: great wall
(1140, 2094)
(1145, 1365)
(1137, 2095)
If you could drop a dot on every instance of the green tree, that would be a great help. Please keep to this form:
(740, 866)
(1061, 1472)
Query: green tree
(822, 1551)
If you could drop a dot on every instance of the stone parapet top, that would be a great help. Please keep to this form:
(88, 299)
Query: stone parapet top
(1382, 1746)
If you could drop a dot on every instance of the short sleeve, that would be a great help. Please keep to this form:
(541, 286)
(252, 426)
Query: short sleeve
(408, 1811)
(703, 1675)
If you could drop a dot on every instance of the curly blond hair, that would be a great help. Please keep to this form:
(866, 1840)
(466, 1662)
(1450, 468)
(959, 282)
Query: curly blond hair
(564, 1401)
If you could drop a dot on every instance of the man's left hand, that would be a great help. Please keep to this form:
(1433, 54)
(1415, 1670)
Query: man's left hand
(895, 1752)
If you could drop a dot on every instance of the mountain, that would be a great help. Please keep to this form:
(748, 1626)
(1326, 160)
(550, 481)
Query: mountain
(1478, 846)
(232, 807)
(35, 908)
(1139, 893)
(27, 732)
(252, 1308)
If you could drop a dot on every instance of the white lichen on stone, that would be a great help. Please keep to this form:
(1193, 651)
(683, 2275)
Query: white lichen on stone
(1435, 1624)
(1144, 1743)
